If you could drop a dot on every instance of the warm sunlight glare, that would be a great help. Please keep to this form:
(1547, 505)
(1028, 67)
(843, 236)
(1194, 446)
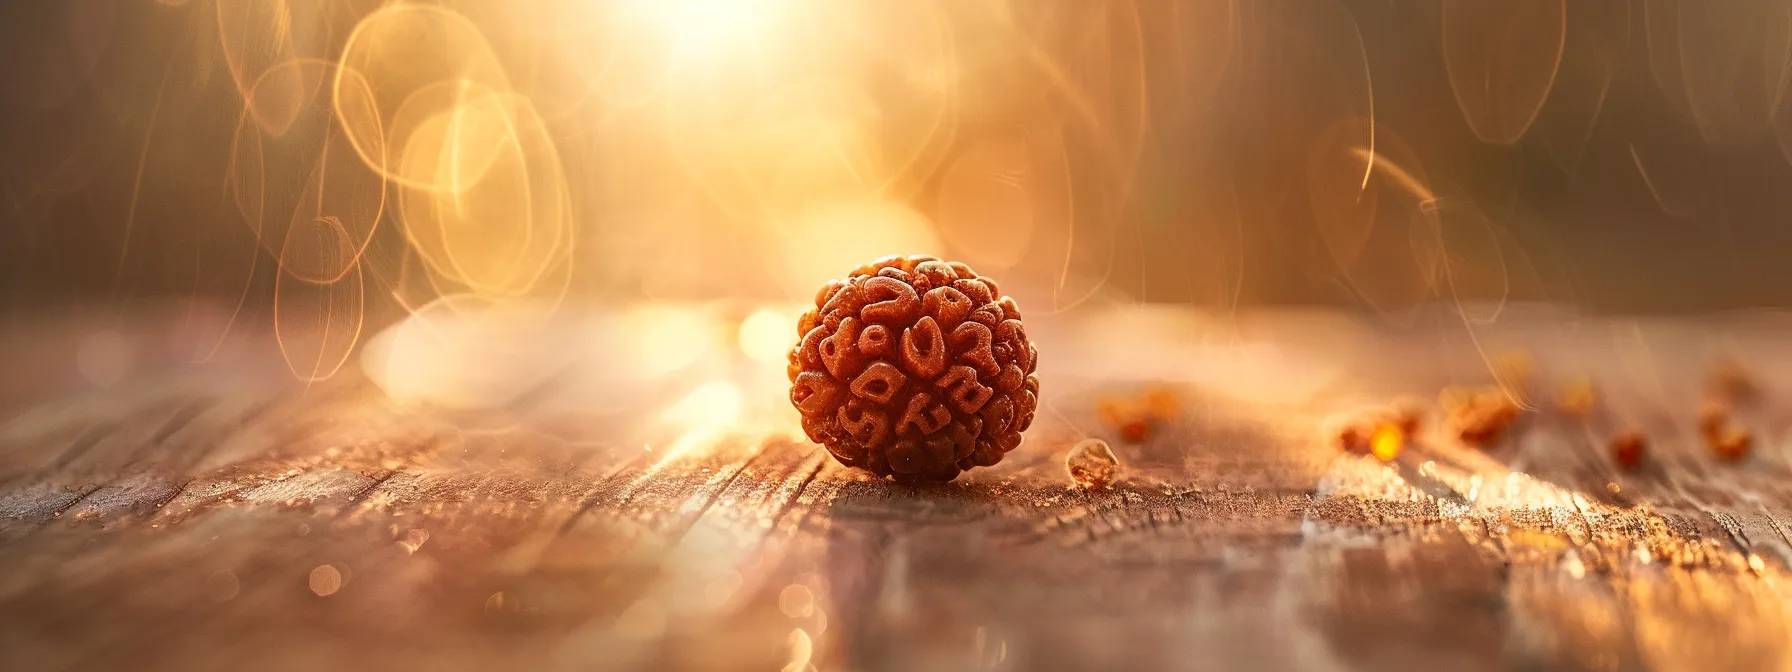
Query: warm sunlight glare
(767, 335)
(704, 31)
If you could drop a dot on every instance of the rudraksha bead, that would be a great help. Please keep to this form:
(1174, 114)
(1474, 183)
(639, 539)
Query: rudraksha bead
(914, 368)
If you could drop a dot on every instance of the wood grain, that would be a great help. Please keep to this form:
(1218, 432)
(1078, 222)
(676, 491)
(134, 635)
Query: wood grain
(218, 516)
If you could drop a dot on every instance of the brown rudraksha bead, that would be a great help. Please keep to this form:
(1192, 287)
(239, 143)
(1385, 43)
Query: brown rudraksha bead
(914, 368)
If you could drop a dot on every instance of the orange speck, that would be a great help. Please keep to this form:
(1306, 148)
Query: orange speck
(1386, 443)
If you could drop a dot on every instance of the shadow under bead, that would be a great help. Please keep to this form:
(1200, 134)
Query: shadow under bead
(914, 368)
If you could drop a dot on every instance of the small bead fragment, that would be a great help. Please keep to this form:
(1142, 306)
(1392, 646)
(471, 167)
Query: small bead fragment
(1092, 465)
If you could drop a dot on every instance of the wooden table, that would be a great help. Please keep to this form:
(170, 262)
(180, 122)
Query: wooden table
(224, 516)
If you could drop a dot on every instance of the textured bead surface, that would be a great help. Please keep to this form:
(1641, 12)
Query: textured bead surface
(915, 368)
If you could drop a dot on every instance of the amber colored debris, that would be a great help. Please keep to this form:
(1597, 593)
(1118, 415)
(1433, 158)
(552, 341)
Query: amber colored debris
(1092, 465)
(1628, 448)
(1479, 416)
(1382, 432)
(1387, 442)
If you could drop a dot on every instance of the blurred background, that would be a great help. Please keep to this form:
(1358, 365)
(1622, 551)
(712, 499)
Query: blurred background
(323, 168)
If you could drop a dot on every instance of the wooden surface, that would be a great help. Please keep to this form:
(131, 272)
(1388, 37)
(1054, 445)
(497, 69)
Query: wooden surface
(224, 516)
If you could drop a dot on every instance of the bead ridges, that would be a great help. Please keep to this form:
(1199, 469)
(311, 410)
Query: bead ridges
(914, 368)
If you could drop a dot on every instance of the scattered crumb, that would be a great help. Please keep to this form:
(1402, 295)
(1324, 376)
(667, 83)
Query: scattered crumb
(1628, 448)
(1092, 465)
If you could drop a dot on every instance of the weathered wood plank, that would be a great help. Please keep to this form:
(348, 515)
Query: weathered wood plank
(219, 520)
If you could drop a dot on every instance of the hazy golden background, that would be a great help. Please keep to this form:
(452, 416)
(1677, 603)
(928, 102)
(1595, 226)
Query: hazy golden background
(292, 164)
